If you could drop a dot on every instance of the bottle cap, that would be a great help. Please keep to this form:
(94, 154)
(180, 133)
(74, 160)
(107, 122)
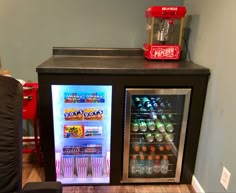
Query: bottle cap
(144, 148)
(165, 157)
(168, 147)
(161, 148)
(142, 157)
(149, 157)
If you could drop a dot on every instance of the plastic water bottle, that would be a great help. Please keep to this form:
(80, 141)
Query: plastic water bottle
(141, 165)
(164, 164)
(157, 164)
(149, 166)
(133, 165)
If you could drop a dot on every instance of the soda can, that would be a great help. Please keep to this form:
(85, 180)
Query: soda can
(149, 137)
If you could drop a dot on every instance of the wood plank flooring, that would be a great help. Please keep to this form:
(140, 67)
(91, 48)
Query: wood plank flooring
(33, 173)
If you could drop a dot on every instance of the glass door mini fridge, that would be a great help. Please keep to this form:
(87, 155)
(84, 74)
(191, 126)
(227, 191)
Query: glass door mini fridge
(154, 135)
(82, 133)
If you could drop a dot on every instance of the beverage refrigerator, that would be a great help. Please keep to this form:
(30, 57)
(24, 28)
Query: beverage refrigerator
(110, 116)
(82, 133)
(154, 134)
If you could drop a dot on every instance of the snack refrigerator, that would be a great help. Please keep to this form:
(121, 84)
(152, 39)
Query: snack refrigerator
(112, 117)
(154, 134)
(82, 133)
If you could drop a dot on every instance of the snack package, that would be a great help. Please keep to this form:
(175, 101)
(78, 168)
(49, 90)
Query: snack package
(68, 167)
(58, 164)
(72, 150)
(93, 114)
(73, 131)
(74, 97)
(97, 166)
(108, 163)
(92, 148)
(95, 97)
(73, 114)
(92, 131)
(81, 166)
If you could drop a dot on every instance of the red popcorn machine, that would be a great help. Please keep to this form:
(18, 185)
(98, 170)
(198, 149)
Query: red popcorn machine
(163, 33)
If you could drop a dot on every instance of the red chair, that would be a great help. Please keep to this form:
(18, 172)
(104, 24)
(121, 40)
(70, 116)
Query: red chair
(30, 112)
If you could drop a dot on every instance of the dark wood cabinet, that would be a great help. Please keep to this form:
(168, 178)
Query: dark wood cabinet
(121, 68)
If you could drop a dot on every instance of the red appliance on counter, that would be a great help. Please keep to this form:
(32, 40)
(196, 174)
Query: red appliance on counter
(163, 32)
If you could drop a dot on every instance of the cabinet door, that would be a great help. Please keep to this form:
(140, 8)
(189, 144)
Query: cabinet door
(82, 133)
(154, 134)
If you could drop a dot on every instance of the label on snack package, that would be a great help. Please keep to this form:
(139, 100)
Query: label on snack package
(73, 114)
(95, 131)
(93, 114)
(73, 131)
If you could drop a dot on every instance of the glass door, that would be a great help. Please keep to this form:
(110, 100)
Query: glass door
(82, 133)
(154, 135)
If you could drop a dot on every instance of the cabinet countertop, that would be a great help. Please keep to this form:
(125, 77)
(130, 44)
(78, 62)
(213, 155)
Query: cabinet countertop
(112, 61)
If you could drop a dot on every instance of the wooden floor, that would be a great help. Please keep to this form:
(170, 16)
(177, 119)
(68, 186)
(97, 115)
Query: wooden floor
(33, 173)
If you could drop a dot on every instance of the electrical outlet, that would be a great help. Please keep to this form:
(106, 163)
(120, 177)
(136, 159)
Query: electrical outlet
(225, 177)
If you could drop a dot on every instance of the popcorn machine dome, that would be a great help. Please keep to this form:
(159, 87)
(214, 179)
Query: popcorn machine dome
(163, 32)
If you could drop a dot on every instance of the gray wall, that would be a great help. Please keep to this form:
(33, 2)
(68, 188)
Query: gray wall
(212, 44)
(30, 28)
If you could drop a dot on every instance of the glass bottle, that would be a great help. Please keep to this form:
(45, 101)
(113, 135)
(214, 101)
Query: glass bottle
(147, 103)
(168, 125)
(134, 125)
(160, 126)
(142, 125)
(169, 137)
(154, 103)
(136, 147)
(158, 137)
(144, 148)
(151, 125)
(149, 137)
(139, 104)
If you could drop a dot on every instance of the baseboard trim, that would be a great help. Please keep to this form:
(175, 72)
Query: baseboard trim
(196, 185)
